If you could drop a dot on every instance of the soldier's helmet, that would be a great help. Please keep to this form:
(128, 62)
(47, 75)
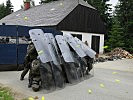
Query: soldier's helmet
(35, 64)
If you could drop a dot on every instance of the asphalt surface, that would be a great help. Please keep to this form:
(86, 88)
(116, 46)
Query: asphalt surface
(111, 81)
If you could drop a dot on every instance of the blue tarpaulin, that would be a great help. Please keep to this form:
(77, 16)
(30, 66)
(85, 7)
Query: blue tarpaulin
(8, 54)
(15, 53)
(23, 30)
(22, 49)
(8, 30)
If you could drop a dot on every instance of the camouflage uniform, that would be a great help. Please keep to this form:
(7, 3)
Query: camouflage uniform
(31, 55)
(34, 75)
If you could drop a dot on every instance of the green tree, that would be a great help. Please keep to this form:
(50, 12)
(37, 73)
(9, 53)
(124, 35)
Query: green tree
(32, 2)
(124, 12)
(9, 7)
(6, 9)
(116, 36)
(2, 11)
(104, 10)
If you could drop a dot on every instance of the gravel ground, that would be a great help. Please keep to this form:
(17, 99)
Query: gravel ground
(111, 81)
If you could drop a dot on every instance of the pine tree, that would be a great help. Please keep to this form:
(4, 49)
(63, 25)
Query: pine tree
(124, 12)
(104, 10)
(32, 2)
(116, 37)
(6, 9)
(2, 11)
(9, 7)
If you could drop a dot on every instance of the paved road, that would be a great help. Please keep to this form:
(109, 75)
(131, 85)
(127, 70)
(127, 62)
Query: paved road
(116, 79)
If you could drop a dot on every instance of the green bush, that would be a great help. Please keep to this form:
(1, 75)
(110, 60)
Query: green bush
(5, 94)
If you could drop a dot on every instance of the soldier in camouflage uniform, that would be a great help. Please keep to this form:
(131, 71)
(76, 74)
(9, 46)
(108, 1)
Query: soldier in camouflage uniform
(34, 75)
(31, 55)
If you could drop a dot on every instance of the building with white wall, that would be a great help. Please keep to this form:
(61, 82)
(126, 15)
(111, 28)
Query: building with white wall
(88, 37)
(69, 16)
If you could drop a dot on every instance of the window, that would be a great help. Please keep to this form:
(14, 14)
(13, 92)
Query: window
(78, 36)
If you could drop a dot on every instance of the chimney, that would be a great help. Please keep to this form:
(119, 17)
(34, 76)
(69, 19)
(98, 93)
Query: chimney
(26, 4)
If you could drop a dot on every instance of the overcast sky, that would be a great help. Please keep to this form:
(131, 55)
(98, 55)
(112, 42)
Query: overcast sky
(17, 3)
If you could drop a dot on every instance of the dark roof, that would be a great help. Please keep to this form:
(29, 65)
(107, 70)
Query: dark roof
(48, 14)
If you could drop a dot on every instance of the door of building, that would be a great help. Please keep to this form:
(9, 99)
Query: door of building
(95, 43)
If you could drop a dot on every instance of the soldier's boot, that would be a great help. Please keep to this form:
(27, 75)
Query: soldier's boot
(36, 84)
(21, 78)
(87, 72)
(89, 68)
(29, 85)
